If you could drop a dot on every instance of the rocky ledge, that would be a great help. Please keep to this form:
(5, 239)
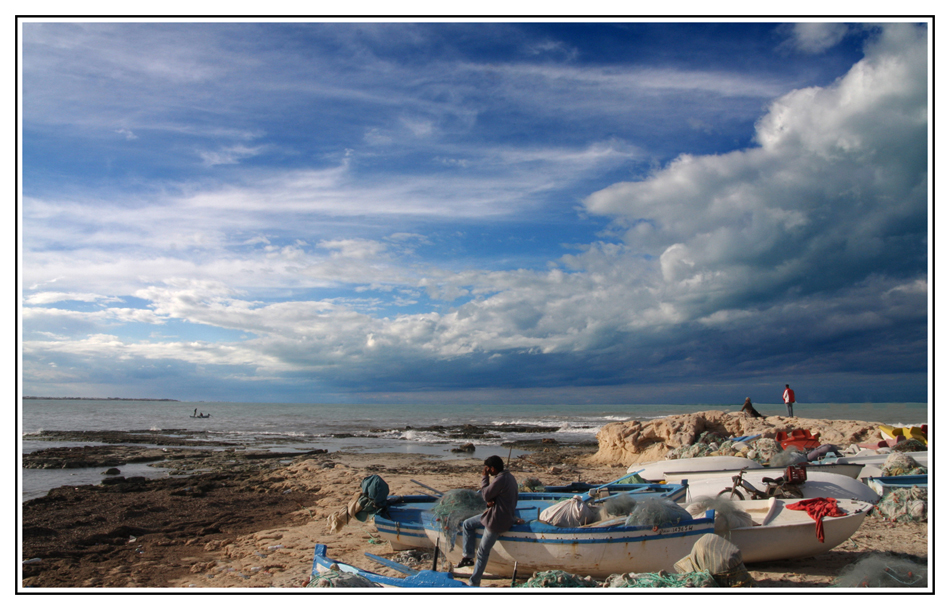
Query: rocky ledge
(634, 442)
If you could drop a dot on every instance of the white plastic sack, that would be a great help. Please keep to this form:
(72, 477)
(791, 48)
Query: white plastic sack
(569, 513)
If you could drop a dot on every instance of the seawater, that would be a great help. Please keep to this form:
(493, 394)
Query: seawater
(377, 427)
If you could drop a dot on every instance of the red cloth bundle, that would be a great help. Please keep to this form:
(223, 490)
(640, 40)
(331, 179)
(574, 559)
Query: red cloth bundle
(817, 509)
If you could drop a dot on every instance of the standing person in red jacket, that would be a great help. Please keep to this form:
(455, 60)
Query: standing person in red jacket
(789, 398)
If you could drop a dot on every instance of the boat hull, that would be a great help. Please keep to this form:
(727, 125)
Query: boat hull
(792, 536)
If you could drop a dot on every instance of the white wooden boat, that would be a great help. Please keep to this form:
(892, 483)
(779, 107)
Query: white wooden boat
(781, 533)
(817, 485)
(848, 470)
(885, 485)
(657, 471)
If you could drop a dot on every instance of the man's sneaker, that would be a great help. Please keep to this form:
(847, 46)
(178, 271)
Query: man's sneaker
(465, 562)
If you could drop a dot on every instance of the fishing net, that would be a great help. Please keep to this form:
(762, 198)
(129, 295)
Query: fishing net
(882, 570)
(904, 505)
(762, 450)
(456, 506)
(657, 512)
(898, 464)
(531, 484)
(787, 457)
(661, 580)
(719, 557)
(619, 505)
(911, 444)
(728, 514)
(560, 579)
(341, 580)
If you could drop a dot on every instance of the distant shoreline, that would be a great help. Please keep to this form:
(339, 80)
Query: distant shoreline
(79, 398)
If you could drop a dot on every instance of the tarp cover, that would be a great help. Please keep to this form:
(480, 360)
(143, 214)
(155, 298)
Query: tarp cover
(719, 557)
(569, 513)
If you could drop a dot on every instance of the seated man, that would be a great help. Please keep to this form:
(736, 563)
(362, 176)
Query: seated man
(501, 495)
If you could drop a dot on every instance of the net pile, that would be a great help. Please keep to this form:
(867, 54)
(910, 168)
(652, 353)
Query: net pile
(657, 512)
(661, 580)
(787, 457)
(719, 557)
(898, 464)
(904, 505)
(911, 444)
(558, 579)
(881, 570)
(728, 515)
(340, 580)
(619, 505)
(763, 450)
(456, 506)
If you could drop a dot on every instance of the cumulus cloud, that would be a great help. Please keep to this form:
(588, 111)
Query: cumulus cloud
(815, 36)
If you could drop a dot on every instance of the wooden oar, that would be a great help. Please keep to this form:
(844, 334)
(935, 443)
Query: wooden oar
(435, 491)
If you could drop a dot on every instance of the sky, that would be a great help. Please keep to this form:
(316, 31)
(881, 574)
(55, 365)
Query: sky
(496, 212)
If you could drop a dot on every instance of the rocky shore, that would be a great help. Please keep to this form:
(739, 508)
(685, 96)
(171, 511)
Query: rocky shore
(249, 520)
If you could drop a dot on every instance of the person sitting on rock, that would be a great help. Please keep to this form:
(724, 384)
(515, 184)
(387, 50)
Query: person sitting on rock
(748, 408)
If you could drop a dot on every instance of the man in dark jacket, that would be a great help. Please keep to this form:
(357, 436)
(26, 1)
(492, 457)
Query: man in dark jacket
(501, 495)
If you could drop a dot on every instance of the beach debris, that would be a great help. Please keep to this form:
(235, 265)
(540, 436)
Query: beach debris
(464, 448)
(558, 579)
(882, 570)
(719, 557)
(904, 505)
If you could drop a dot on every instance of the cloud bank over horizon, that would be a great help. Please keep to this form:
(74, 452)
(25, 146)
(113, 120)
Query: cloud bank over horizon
(501, 212)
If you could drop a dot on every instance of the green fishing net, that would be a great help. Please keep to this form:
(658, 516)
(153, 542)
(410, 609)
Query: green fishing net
(631, 479)
(911, 444)
(558, 578)
(762, 450)
(456, 506)
(661, 580)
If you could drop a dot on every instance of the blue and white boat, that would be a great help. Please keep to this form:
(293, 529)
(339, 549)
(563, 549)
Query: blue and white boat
(599, 549)
(885, 485)
(412, 579)
(406, 533)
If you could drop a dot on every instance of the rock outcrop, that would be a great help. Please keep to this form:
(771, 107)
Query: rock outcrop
(634, 442)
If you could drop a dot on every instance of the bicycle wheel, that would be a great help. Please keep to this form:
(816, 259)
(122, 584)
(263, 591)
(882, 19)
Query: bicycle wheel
(730, 493)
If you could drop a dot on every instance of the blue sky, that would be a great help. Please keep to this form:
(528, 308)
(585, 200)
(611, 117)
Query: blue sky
(614, 212)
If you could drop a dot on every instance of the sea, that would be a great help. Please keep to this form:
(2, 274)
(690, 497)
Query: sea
(361, 427)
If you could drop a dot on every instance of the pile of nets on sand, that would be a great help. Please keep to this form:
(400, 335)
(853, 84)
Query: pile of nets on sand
(558, 579)
(882, 570)
(762, 450)
(911, 444)
(661, 580)
(903, 505)
(456, 506)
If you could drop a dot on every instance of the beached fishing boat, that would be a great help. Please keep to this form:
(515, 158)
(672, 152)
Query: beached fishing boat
(415, 579)
(599, 549)
(782, 533)
(817, 485)
(873, 463)
(885, 485)
(400, 523)
(695, 469)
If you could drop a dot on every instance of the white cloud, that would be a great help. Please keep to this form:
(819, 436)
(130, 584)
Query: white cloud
(815, 36)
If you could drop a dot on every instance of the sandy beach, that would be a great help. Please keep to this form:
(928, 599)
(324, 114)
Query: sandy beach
(258, 527)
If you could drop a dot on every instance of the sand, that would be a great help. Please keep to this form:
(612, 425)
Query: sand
(258, 529)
